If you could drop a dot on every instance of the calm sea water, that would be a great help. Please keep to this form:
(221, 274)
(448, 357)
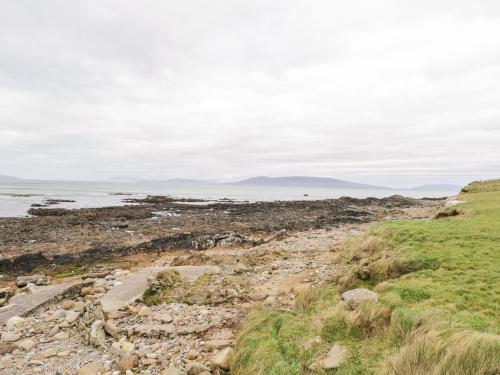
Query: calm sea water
(17, 197)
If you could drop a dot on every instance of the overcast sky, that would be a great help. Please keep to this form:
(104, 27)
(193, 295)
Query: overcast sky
(387, 92)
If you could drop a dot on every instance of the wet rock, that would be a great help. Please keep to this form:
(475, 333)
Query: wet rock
(128, 362)
(223, 358)
(335, 357)
(91, 369)
(353, 298)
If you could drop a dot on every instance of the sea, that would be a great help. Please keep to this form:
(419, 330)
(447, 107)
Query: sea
(16, 197)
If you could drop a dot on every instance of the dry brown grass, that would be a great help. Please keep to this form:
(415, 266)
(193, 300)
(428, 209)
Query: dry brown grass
(371, 318)
(432, 349)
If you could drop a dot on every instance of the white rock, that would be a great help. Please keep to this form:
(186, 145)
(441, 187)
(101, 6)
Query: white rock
(353, 298)
(335, 357)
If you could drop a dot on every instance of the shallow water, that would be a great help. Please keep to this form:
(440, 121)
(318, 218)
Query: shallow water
(17, 197)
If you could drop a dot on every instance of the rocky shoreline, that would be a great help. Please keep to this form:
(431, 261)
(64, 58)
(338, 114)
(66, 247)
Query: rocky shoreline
(56, 236)
(226, 258)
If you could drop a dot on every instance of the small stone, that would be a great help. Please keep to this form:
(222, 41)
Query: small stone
(223, 358)
(47, 353)
(143, 311)
(15, 323)
(10, 337)
(217, 344)
(71, 316)
(335, 357)
(6, 347)
(26, 344)
(173, 371)
(353, 298)
(164, 318)
(91, 369)
(196, 368)
(64, 335)
(115, 314)
(270, 301)
(128, 362)
(111, 328)
(87, 291)
(97, 335)
(192, 354)
(67, 304)
(127, 346)
(63, 354)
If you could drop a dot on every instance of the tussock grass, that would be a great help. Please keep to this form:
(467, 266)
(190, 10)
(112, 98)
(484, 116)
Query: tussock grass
(418, 267)
(432, 349)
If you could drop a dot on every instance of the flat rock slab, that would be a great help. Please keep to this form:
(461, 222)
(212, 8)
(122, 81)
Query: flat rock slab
(134, 285)
(24, 303)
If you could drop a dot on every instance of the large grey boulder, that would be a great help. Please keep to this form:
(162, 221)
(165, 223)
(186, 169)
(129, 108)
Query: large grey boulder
(353, 298)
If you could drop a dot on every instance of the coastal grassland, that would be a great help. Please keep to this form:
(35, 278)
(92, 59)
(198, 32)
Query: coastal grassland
(439, 287)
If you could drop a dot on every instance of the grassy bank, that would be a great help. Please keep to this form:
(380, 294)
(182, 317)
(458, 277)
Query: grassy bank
(439, 287)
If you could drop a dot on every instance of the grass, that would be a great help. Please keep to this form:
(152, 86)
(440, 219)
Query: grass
(439, 287)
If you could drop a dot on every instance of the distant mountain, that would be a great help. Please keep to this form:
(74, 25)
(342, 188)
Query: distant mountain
(124, 179)
(307, 182)
(438, 187)
(4, 178)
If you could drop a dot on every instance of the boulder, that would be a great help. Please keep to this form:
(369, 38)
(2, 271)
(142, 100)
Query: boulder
(335, 357)
(353, 298)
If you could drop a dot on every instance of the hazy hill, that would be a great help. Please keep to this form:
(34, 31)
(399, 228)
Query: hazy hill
(4, 178)
(306, 182)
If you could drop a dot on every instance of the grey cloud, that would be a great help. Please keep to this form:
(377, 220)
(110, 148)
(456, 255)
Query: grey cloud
(388, 92)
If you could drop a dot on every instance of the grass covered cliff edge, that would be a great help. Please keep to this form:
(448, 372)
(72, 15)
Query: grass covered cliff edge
(438, 282)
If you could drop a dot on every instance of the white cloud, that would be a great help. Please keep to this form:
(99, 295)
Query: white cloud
(393, 92)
